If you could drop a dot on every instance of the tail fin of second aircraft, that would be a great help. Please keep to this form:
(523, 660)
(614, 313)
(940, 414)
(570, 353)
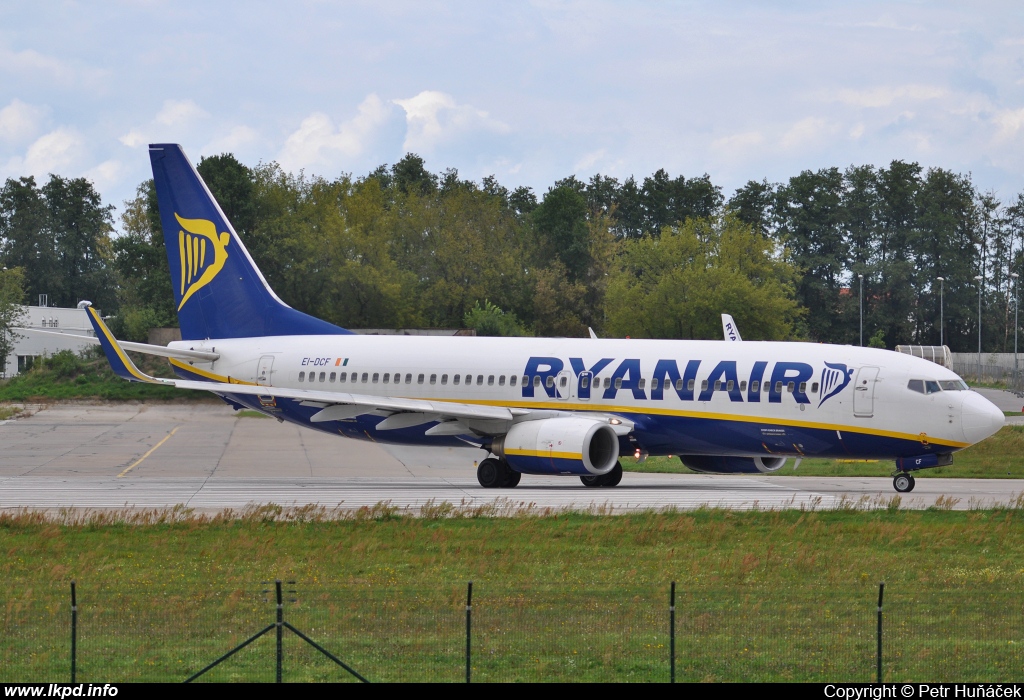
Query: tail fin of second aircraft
(219, 291)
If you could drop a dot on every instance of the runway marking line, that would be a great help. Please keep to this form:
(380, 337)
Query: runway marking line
(153, 449)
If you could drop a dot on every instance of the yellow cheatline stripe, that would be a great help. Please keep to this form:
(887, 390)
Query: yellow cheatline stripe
(151, 451)
(544, 453)
(209, 375)
(128, 364)
(602, 408)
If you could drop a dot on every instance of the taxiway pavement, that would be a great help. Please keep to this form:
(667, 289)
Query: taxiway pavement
(208, 458)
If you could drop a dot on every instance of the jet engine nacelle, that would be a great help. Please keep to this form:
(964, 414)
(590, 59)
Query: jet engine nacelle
(559, 446)
(708, 464)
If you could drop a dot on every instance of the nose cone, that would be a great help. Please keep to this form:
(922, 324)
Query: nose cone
(980, 417)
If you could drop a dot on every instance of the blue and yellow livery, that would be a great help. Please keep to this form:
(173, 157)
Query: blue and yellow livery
(539, 406)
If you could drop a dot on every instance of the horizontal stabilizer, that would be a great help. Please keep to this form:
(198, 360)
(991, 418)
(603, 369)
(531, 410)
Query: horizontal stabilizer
(144, 348)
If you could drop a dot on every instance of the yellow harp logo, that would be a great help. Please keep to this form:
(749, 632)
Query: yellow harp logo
(203, 254)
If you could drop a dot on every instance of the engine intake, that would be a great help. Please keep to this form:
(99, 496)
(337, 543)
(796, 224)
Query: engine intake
(559, 446)
(711, 464)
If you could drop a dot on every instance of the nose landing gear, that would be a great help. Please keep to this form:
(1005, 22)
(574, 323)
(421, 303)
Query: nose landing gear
(903, 482)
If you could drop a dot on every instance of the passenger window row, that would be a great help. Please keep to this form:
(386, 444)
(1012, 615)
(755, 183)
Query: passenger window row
(479, 379)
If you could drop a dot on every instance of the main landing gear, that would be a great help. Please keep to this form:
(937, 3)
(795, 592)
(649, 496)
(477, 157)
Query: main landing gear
(903, 482)
(612, 478)
(496, 474)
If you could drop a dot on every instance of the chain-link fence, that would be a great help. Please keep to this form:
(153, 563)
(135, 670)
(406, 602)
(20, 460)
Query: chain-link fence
(565, 632)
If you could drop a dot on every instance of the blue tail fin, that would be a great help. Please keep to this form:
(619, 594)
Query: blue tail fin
(220, 293)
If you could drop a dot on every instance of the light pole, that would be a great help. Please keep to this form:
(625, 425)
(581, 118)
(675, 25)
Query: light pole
(978, 279)
(942, 325)
(1016, 325)
(861, 278)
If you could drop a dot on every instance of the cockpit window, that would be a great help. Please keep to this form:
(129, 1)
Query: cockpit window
(928, 386)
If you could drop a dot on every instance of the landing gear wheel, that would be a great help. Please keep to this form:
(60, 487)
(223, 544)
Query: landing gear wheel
(904, 483)
(591, 481)
(613, 477)
(511, 479)
(490, 473)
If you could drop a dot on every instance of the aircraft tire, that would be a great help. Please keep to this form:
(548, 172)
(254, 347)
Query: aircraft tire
(490, 473)
(512, 478)
(613, 477)
(903, 483)
(591, 481)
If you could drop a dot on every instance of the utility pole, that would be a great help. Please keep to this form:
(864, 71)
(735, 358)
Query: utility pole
(861, 278)
(979, 278)
(942, 324)
(1016, 325)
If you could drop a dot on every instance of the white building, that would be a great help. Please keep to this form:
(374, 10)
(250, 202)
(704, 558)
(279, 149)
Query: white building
(70, 323)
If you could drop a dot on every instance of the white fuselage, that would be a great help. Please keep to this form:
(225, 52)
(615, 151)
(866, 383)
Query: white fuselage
(685, 397)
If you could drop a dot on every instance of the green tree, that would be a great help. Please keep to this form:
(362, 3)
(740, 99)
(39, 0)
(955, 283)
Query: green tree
(678, 285)
(561, 225)
(12, 313)
(25, 236)
(812, 229)
(490, 320)
(80, 225)
(145, 294)
(232, 184)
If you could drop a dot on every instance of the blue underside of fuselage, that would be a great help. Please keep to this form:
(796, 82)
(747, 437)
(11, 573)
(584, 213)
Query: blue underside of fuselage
(653, 434)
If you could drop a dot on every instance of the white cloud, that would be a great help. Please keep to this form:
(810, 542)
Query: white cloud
(54, 152)
(1008, 122)
(806, 132)
(133, 139)
(107, 173)
(318, 142)
(175, 114)
(737, 144)
(236, 138)
(589, 160)
(32, 62)
(885, 95)
(433, 118)
(20, 121)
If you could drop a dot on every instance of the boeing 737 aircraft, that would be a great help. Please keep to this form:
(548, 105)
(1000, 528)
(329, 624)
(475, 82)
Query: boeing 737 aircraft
(538, 405)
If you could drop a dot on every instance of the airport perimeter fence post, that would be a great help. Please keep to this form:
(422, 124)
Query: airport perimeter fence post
(279, 624)
(881, 592)
(672, 633)
(280, 631)
(74, 630)
(469, 628)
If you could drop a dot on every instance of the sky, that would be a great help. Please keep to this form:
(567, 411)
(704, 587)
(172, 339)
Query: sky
(530, 92)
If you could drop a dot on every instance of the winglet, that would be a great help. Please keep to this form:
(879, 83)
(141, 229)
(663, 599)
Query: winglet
(593, 335)
(729, 329)
(116, 356)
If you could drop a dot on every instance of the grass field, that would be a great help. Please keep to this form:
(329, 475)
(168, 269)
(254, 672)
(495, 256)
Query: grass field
(999, 457)
(66, 375)
(762, 595)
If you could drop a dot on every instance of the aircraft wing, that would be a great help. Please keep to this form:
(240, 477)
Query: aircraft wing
(329, 401)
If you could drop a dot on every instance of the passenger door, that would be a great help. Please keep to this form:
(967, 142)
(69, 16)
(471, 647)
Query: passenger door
(864, 392)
